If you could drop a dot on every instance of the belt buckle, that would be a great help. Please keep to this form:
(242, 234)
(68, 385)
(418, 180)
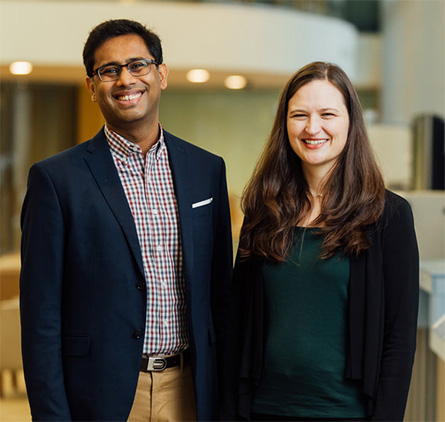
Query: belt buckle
(156, 363)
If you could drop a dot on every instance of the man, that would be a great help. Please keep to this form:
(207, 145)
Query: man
(126, 255)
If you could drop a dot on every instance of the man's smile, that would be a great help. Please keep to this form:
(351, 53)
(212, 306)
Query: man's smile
(128, 97)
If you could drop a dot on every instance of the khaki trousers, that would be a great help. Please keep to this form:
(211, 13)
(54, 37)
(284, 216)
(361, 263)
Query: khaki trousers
(165, 396)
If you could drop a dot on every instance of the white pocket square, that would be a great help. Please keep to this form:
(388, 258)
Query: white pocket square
(202, 203)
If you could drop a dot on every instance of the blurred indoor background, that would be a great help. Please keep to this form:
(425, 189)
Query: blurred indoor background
(228, 62)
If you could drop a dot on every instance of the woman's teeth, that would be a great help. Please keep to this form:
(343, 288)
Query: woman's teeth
(314, 142)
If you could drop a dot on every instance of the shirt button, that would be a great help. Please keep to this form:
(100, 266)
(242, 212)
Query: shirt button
(159, 248)
(138, 334)
(165, 321)
(164, 285)
(154, 211)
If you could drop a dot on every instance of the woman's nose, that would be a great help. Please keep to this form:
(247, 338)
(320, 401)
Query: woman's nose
(313, 125)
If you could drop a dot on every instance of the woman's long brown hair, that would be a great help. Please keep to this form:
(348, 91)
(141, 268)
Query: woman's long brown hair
(276, 198)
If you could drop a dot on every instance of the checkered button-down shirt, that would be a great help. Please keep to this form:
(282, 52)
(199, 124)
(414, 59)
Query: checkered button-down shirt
(148, 185)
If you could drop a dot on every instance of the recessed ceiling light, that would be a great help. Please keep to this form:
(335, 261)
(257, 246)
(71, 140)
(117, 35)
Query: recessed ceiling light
(198, 76)
(235, 82)
(20, 68)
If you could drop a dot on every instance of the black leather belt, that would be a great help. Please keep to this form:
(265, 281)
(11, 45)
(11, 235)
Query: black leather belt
(159, 363)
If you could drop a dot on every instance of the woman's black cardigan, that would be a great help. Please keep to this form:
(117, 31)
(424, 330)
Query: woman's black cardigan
(383, 304)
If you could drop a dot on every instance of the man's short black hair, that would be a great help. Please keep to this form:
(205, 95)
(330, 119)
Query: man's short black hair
(114, 28)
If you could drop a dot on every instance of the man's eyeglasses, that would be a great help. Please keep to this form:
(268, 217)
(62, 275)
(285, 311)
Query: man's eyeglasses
(110, 73)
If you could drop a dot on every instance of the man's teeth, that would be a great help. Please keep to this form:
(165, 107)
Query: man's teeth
(314, 142)
(128, 97)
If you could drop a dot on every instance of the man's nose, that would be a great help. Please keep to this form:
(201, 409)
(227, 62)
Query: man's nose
(125, 77)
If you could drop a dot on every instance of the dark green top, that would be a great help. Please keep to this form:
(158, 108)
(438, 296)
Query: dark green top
(306, 318)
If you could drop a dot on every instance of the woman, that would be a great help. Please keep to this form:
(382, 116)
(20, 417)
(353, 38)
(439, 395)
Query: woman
(325, 291)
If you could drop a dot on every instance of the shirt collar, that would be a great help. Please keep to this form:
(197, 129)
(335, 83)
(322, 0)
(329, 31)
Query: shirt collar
(123, 148)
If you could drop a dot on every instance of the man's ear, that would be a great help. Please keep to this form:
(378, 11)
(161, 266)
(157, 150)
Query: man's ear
(163, 75)
(91, 88)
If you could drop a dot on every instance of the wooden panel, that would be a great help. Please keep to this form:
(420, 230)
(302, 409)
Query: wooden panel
(9, 276)
(90, 119)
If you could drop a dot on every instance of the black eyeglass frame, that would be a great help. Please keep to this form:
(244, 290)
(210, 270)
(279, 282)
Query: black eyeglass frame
(120, 66)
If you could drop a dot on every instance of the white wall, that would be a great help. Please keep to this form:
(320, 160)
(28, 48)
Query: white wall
(413, 59)
(393, 147)
(231, 37)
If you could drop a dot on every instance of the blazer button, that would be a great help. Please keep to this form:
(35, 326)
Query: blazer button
(138, 334)
(140, 286)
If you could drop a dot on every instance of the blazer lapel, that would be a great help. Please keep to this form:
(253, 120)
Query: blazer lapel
(101, 164)
(183, 182)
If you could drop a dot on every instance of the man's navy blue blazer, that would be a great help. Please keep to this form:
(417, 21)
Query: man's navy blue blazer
(83, 295)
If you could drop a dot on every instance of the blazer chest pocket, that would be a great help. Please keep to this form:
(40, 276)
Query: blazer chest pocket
(202, 208)
(76, 345)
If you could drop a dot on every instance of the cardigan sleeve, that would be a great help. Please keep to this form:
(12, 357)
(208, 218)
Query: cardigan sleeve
(401, 295)
(243, 341)
(229, 379)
